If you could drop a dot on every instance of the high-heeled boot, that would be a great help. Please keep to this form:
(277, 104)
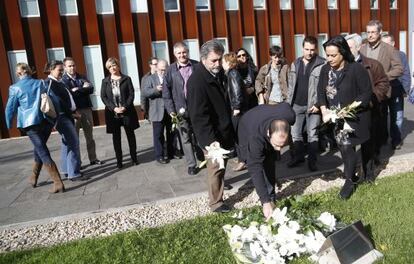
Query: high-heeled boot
(35, 174)
(55, 176)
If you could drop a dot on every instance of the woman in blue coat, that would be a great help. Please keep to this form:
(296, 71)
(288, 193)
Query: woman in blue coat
(24, 99)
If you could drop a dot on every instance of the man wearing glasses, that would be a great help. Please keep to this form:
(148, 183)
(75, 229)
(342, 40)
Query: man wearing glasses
(389, 57)
(153, 61)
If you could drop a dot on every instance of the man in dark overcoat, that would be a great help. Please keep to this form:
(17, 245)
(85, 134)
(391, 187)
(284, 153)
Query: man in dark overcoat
(209, 111)
(262, 131)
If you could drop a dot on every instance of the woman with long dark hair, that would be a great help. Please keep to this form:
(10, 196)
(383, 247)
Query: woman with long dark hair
(24, 99)
(65, 106)
(248, 71)
(117, 93)
(343, 81)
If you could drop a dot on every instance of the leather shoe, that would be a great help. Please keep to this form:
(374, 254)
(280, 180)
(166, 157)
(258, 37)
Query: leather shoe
(312, 166)
(97, 162)
(397, 146)
(192, 170)
(222, 209)
(227, 187)
(119, 165)
(295, 162)
(80, 178)
(135, 162)
(162, 161)
(347, 190)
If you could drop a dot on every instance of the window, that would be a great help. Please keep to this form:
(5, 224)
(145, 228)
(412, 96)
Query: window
(393, 4)
(171, 6)
(332, 4)
(403, 41)
(298, 45)
(374, 4)
(16, 56)
(68, 8)
(203, 5)
(322, 38)
(285, 5)
(259, 4)
(193, 48)
(160, 50)
(56, 54)
(250, 45)
(223, 42)
(139, 6)
(29, 8)
(129, 66)
(275, 40)
(309, 4)
(232, 4)
(353, 4)
(94, 71)
(104, 7)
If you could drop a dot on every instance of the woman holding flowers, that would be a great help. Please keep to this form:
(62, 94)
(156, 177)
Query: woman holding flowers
(341, 83)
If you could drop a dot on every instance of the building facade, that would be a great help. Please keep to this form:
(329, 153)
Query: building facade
(90, 31)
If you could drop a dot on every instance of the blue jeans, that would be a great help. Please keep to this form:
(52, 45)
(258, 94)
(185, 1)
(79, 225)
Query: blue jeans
(396, 106)
(38, 135)
(70, 153)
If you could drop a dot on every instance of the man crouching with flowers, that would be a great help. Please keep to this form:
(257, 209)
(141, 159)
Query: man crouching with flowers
(262, 131)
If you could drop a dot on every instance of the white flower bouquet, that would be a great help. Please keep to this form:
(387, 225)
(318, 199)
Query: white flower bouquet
(338, 117)
(287, 235)
(177, 119)
(216, 154)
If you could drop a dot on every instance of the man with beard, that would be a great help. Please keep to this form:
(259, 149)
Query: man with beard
(210, 115)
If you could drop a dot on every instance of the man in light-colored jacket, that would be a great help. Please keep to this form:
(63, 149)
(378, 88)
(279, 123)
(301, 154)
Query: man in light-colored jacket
(302, 96)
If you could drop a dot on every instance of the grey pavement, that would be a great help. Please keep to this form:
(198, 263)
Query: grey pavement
(109, 187)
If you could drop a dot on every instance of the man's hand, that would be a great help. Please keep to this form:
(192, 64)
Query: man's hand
(118, 110)
(86, 84)
(313, 109)
(76, 115)
(159, 88)
(75, 89)
(267, 210)
(236, 112)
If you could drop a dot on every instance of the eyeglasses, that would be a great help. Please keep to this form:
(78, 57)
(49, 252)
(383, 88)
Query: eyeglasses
(274, 55)
(241, 55)
(154, 64)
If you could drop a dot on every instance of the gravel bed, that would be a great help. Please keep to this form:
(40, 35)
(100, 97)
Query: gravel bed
(161, 213)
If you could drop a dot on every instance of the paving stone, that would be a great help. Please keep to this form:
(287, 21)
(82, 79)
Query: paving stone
(120, 197)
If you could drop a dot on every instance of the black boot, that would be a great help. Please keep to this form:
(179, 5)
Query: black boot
(347, 190)
(312, 152)
(298, 154)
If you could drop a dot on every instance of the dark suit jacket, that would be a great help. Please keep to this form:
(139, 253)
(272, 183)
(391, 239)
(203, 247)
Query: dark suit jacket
(130, 118)
(379, 79)
(353, 85)
(156, 103)
(81, 96)
(209, 108)
(253, 138)
(173, 89)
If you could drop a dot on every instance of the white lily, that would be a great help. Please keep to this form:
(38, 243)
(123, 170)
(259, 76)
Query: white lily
(347, 128)
(328, 220)
(216, 154)
(181, 111)
(279, 216)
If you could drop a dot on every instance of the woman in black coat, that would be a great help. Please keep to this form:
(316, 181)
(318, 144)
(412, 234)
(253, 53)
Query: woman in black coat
(341, 82)
(248, 71)
(117, 93)
(234, 87)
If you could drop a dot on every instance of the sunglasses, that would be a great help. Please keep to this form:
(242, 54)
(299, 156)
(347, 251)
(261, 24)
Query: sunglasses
(241, 55)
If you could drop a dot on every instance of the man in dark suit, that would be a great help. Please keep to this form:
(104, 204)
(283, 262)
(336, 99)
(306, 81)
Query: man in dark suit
(153, 61)
(175, 99)
(157, 113)
(210, 116)
(262, 131)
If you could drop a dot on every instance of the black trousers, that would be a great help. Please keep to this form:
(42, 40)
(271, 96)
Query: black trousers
(159, 139)
(349, 158)
(116, 139)
(269, 167)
